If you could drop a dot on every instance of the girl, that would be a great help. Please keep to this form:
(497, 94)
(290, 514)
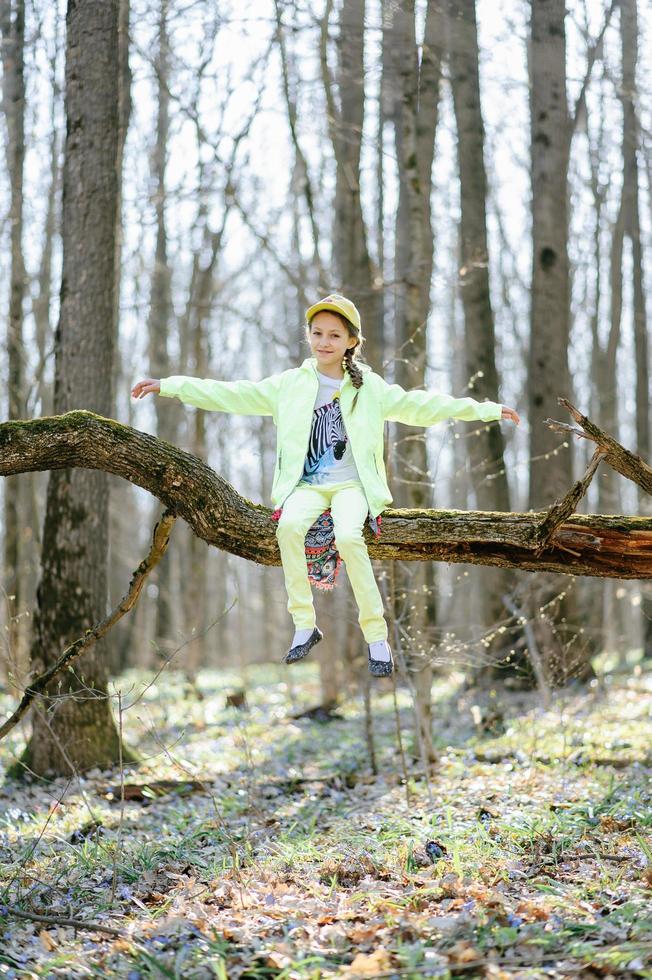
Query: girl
(330, 414)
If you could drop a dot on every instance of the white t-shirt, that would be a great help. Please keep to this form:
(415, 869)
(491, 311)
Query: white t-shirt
(329, 458)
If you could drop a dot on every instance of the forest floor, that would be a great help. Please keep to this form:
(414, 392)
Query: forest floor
(526, 853)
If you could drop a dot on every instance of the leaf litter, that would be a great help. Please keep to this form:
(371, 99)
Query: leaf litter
(256, 844)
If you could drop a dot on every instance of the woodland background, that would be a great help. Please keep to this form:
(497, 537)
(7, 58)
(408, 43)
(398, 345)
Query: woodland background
(182, 179)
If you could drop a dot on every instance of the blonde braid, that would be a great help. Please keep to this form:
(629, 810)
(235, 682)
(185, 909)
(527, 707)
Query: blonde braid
(354, 371)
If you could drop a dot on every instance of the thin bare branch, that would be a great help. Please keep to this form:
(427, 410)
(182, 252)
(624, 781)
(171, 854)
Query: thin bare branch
(160, 540)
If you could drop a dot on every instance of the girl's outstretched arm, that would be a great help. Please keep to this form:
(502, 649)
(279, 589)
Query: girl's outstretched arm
(418, 407)
(238, 397)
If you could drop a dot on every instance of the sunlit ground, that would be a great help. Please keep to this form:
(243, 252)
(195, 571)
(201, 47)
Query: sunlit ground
(526, 852)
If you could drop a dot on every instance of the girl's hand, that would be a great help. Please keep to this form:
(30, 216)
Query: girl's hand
(510, 413)
(148, 386)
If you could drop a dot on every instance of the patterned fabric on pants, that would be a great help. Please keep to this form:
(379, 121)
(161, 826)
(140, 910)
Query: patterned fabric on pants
(349, 509)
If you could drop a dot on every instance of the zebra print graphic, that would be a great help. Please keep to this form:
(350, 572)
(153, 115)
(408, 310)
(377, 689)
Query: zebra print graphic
(328, 439)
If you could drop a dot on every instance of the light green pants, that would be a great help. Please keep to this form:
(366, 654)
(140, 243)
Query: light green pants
(349, 511)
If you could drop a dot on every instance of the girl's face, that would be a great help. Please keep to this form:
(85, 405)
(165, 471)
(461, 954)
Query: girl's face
(329, 339)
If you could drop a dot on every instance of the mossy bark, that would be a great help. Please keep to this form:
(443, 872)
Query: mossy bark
(601, 545)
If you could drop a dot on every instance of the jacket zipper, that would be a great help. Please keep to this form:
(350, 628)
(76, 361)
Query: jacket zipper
(353, 454)
(280, 455)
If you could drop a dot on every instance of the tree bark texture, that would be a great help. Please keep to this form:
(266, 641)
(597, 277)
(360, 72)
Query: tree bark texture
(485, 449)
(355, 270)
(39, 391)
(77, 730)
(486, 446)
(160, 306)
(412, 84)
(631, 206)
(548, 372)
(12, 34)
(629, 43)
(583, 544)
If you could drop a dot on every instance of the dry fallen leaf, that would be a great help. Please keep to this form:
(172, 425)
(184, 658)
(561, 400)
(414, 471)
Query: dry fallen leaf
(363, 933)
(369, 964)
(493, 972)
(122, 946)
(463, 952)
(530, 911)
(278, 959)
(610, 825)
(48, 941)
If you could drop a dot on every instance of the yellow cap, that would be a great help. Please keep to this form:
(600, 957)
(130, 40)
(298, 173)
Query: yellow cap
(337, 304)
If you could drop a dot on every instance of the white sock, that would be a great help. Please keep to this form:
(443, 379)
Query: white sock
(300, 636)
(379, 650)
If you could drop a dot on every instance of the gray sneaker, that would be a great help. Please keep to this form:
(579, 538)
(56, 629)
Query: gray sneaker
(302, 649)
(380, 668)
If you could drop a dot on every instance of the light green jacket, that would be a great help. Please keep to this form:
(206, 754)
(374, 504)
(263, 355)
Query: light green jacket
(289, 397)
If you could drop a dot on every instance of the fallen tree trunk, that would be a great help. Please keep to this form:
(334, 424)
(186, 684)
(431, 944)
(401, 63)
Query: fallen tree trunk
(608, 546)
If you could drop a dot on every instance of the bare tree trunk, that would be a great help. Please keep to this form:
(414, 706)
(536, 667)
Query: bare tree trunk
(486, 448)
(223, 594)
(550, 315)
(12, 28)
(75, 729)
(270, 630)
(41, 395)
(355, 270)
(629, 46)
(356, 273)
(196, 603)
(301, 186)
(413, 94)
(604, 612)
(194, 328)
(122, 498)
(42, 303)
(160, 307)
(548, 373)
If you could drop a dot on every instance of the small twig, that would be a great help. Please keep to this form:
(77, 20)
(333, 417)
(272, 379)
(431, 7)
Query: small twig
(368, 723)
(537, 662)
(399, 741)
(388, 599)
(160, 538)
(56, 920)
(168, 660)
(586, 857)
(35, 843)
(567, 427)
(114, 881)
